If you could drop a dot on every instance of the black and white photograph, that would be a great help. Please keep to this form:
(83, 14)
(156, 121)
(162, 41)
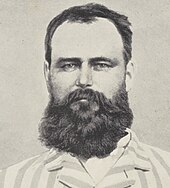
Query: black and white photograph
(85, 94)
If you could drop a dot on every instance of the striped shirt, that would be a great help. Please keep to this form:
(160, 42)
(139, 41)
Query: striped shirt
(132, 164)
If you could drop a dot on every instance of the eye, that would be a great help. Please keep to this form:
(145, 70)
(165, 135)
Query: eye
(69, 67)
(101, 67)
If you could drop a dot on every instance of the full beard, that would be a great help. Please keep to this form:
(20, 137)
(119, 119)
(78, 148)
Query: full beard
(86, 128)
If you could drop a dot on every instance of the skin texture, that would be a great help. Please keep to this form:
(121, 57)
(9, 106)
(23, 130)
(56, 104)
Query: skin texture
(82, 57)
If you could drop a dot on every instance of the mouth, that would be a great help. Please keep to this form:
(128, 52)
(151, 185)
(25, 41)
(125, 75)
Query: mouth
(85, 105)
(82, 100)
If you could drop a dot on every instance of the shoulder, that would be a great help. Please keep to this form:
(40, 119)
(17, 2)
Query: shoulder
(158, 160)
(24, 163)
(13, 174)
(155, 155)
(158, 155)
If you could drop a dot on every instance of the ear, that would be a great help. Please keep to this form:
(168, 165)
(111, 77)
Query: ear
(129, 75)
(46, 73)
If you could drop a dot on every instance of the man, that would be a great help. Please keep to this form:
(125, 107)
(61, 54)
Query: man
(87, 122)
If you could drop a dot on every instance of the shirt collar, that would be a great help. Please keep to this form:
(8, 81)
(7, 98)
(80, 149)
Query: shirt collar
(54, 159)
(138, 154)
(129, 153)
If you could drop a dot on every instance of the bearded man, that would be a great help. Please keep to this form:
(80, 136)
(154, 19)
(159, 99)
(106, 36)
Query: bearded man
(87, 122)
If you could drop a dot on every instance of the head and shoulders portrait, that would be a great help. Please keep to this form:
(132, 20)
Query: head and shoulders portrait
(87, 124)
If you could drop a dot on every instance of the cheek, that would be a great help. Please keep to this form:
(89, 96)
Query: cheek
(62, 83)
(109, 83)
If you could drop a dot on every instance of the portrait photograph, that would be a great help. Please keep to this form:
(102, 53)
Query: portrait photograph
(85, 94)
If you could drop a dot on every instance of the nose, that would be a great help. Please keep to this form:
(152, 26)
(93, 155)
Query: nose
(85, 77)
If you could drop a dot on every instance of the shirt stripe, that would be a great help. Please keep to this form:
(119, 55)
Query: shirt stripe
(58, 184)
(160, 159)
(135, 176)
(155, 167)
(115, 179)
(151, 180)
(157, 178)
(43, 179)
(120, 169)
(77, 183)
(51, 179)
(163, 175)
(2, 177)
(74, 166)
(122, 184)
(83, 176)
(29, 175)
(142, 177)
(16, 172)
(36, 177)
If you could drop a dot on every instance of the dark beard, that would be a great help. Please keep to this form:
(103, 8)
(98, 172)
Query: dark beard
(86, 129)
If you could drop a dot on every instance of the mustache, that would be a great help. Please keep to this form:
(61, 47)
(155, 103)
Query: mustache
(93, 97)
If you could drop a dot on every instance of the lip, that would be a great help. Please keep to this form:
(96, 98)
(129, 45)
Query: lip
(83, 100)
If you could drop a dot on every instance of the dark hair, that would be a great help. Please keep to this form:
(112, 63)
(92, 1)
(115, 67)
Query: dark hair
(87, 14)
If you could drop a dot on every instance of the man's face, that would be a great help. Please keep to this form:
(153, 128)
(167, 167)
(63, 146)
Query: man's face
(88, 111)
(86, 56)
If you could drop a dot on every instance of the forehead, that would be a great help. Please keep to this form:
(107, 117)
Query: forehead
(99, 38)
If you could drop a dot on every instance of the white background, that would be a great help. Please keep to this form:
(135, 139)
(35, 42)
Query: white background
(23, 94)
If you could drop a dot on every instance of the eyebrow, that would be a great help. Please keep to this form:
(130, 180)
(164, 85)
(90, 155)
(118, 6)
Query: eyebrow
(104, 59)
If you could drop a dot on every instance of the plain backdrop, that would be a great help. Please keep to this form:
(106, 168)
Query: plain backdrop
(23, 94)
